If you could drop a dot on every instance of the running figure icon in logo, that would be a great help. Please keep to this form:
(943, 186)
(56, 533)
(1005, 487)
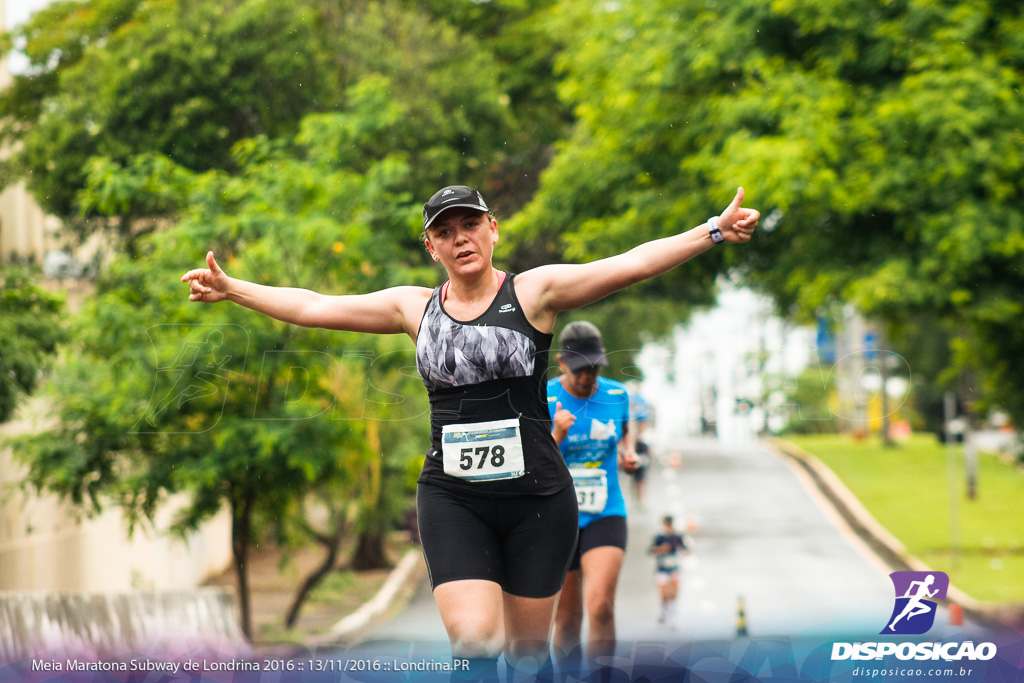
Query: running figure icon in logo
(913, 613)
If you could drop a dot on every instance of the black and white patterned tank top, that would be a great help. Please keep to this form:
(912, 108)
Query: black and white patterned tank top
(492, 368)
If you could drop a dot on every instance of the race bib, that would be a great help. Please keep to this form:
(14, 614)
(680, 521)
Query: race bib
(483, 451)
(591, 489)
(668, 563)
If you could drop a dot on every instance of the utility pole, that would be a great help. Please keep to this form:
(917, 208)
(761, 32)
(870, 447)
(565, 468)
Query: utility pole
(970, 450)
(953, 429)
(853, 358)
(883, 371)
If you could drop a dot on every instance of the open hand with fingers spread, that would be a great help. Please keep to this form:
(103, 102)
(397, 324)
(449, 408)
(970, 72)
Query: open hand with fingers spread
(737, 223)
(208, 285)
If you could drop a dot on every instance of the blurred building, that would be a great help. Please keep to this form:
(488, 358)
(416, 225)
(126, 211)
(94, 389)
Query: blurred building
(25, 231)
(717, 375)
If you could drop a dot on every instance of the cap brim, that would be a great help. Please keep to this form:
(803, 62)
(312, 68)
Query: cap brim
(454, 206)
(578, 361)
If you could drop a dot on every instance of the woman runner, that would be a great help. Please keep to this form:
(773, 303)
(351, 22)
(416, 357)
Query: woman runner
(590, 415)
(496, 506)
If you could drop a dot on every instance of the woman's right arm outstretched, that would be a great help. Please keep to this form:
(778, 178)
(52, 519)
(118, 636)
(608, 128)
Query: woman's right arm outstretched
(389, 311)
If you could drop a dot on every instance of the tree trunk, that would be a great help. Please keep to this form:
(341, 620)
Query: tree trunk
(369, 552)
(333, 544)
(241, 541)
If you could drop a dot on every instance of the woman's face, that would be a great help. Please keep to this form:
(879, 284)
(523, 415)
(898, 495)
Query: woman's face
(581, 383)
(462, 240)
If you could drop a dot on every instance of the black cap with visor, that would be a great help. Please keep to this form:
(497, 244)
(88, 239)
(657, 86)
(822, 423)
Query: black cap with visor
(449, 198)
(582, 346)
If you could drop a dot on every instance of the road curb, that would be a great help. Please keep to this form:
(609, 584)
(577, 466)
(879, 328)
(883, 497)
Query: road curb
(877, 537)
(399, 586)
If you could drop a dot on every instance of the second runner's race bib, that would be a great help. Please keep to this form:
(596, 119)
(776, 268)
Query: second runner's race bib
(591, 488)
(483, 451)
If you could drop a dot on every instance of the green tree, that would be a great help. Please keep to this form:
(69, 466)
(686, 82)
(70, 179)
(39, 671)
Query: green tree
(155, 397)
(116, 78)
(161, 395)
(367, 391)
(880, 139)
(188, 79)
(808, 403)
(613, 183)
(30, 332)
(525, 45)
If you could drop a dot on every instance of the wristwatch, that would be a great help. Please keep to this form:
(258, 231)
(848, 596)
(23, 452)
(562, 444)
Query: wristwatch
(713, 231)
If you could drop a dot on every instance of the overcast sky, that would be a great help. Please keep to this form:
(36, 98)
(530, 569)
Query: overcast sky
(17, 12)
(20, 10)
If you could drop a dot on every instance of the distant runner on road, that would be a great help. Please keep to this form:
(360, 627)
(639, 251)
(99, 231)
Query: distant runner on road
(666, 549)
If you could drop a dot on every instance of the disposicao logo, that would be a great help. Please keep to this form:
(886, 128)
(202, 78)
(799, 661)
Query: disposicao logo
(913, 614)
(914, 611)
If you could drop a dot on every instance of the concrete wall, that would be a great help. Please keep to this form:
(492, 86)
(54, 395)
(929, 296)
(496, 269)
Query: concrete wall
(109, 625)
(24, 230)
(45, 546)
(82, 587)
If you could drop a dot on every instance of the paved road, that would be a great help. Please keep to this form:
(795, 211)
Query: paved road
(760, 535)
(757, 530)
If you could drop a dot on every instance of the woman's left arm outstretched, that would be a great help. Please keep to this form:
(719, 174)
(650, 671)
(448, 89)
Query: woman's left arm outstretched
(563, 287)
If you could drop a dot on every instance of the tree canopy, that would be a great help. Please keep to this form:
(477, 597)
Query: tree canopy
(187, 80)
(882, 142)
(30, 331)
(296, 141)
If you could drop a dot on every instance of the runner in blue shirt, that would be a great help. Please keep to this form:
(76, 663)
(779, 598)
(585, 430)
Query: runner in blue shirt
(590, 417)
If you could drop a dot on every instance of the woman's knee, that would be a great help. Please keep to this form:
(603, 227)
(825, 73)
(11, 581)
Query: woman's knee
(567, 634)
(477, 643)
(528, 654)
(602, 609)
(569, 618)
(476, 637)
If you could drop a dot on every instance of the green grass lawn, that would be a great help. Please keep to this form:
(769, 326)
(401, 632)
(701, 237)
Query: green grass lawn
(907, 490)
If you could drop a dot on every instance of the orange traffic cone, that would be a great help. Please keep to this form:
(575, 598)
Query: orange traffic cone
(692, 526)
(956, 614)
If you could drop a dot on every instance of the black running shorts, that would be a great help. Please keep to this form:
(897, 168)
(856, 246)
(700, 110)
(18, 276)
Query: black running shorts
(604, 531)
(524, 543)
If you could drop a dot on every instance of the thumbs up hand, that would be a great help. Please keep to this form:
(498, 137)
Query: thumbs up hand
(737, 223)
(563, 422)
